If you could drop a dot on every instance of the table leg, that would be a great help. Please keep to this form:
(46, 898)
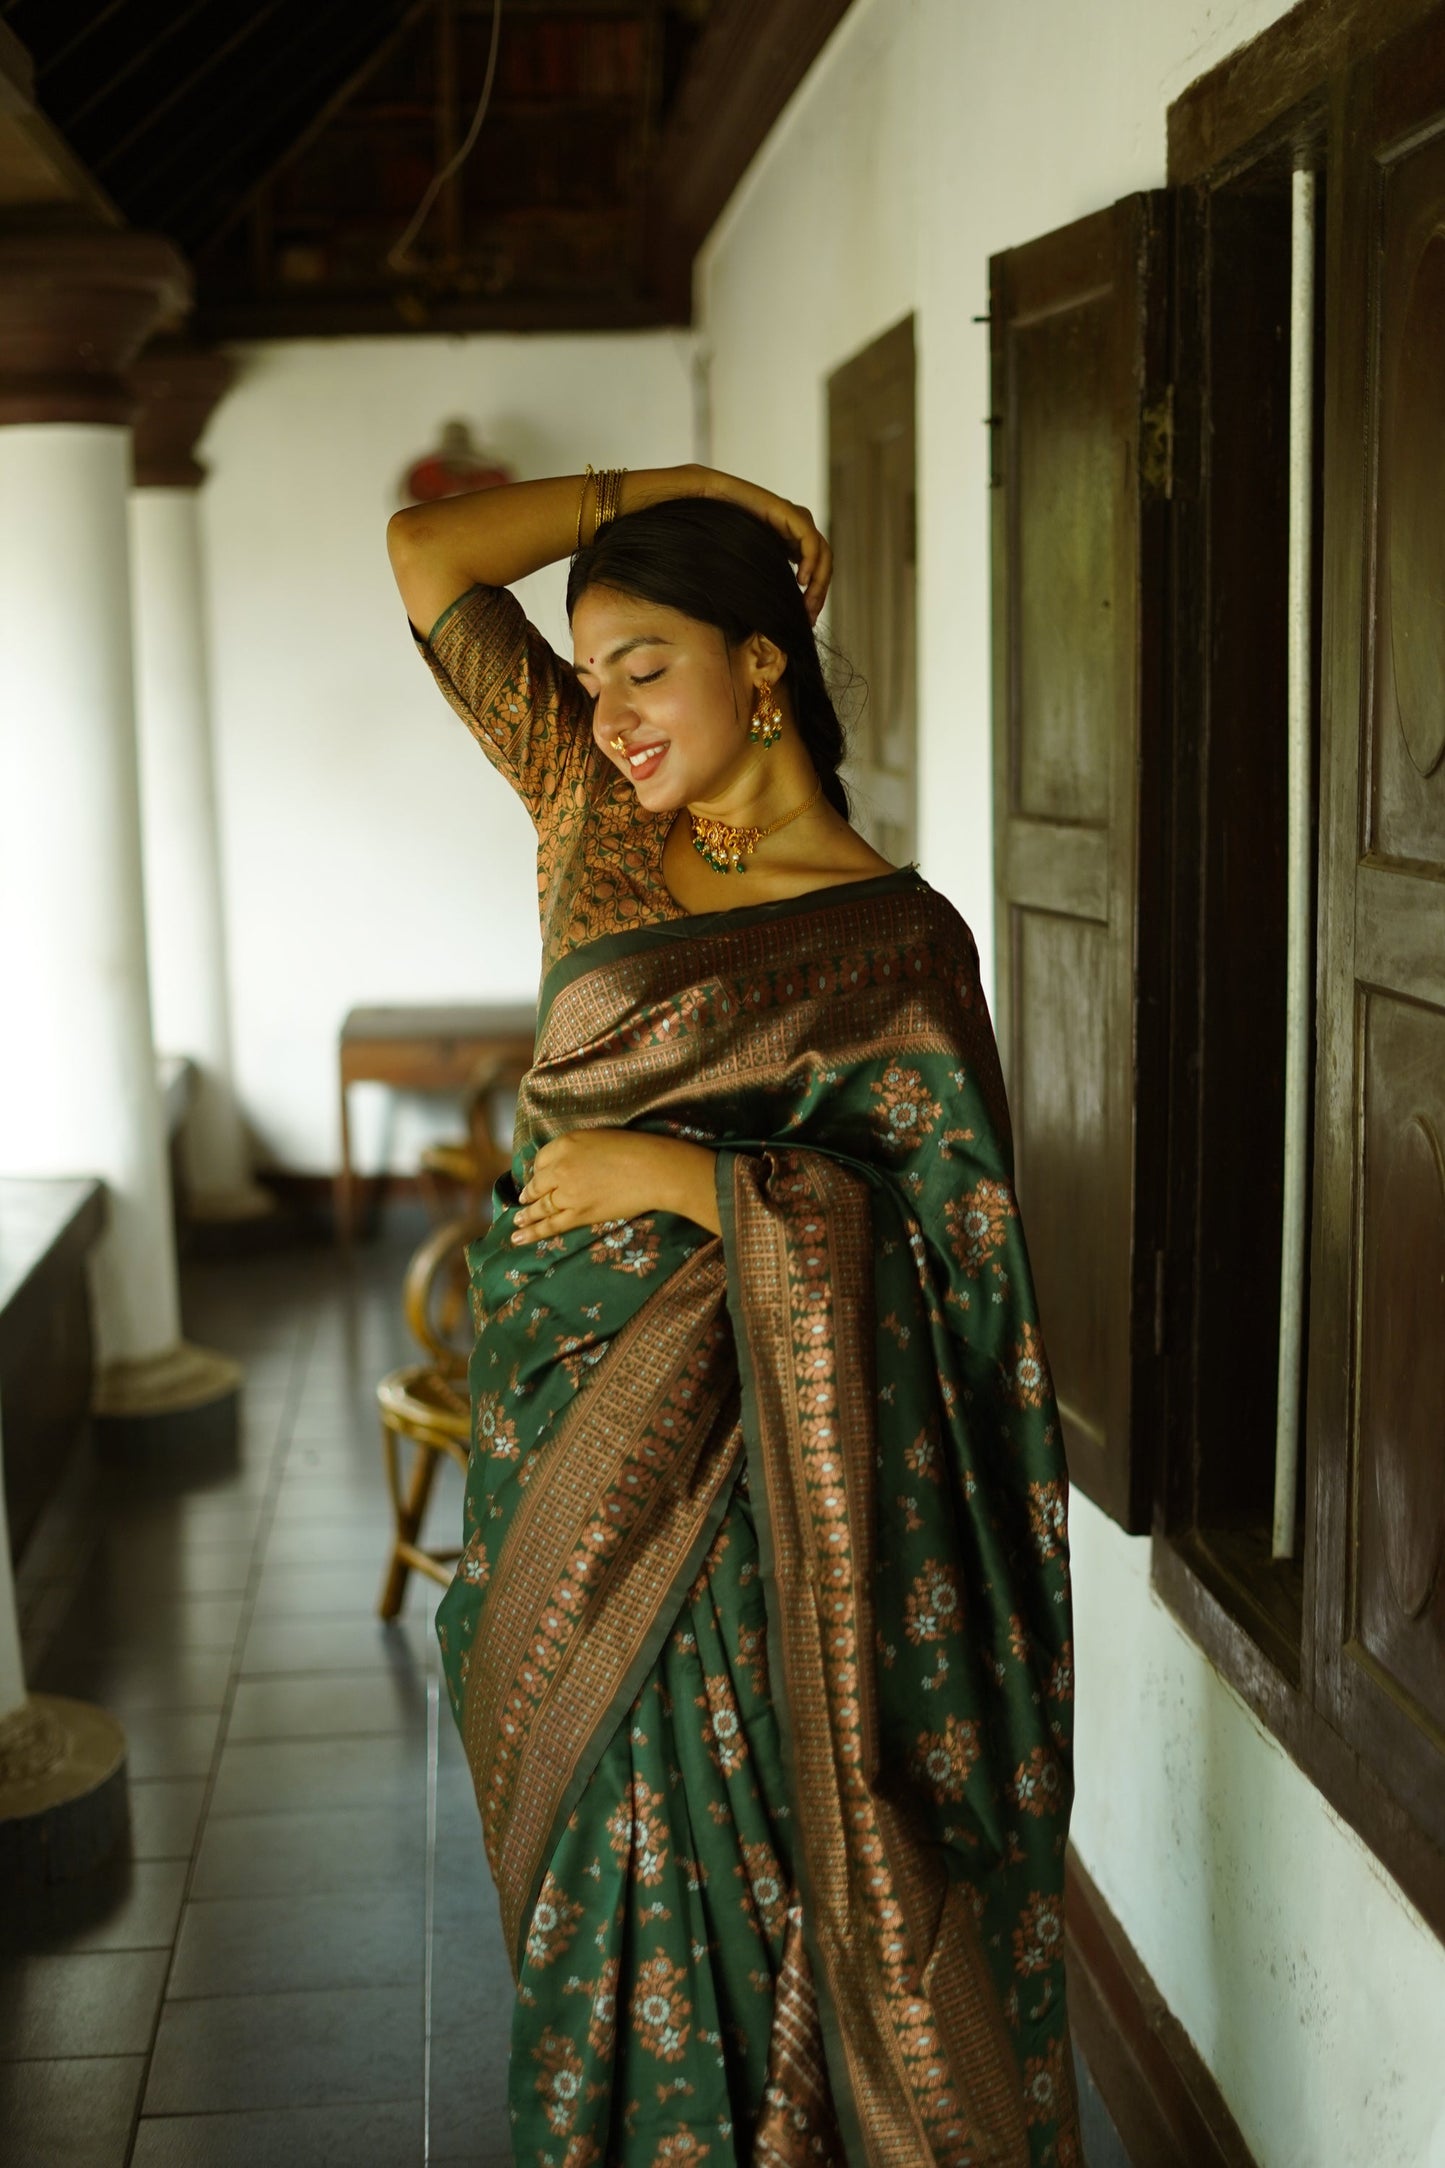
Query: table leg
(344, 1188)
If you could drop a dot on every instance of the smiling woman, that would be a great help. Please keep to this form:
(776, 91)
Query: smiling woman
(759, 1645)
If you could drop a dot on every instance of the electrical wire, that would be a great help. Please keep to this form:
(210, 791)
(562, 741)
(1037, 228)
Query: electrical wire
(397, 257)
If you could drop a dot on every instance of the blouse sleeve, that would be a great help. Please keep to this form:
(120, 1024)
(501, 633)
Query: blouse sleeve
(521, 701)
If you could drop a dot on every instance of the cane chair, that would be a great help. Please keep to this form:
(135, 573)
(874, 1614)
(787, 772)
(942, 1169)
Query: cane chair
(424, 1405)
(459, 1174)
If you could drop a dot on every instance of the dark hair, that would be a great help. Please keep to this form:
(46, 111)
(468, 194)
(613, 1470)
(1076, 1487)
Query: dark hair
(716, 562)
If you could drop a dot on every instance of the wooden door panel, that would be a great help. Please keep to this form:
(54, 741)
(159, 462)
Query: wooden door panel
(1399, 1473)
(1061, 1040)
(1078, 351)
(1377, 1381)
(872, 602)
(1408, 801)
(1065, 455)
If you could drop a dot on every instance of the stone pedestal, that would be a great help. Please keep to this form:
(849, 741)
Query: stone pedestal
(64, 1805)
(177, 388)
(78, 1085)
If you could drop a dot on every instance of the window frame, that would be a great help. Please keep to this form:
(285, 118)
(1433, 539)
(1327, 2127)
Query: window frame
(1294, 83)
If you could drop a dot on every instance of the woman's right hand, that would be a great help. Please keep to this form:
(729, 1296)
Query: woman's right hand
(794, 522)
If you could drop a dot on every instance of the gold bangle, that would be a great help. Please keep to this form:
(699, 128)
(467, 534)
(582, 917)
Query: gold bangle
(609, 496)
(581, 500)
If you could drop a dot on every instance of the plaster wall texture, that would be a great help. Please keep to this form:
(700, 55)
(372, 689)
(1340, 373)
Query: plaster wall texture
(927, 137)
(370, 854)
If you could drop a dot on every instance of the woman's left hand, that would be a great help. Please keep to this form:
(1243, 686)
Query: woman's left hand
(592, 1175)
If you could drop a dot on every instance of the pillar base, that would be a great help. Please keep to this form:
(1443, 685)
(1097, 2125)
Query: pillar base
(185, 1400)
(64, 1803)
(225, 1207)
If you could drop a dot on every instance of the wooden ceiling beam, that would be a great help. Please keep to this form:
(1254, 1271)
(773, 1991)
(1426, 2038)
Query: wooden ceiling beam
(750, 57)
(323, 315)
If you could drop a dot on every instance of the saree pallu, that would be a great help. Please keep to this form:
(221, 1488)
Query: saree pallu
(759, 1644)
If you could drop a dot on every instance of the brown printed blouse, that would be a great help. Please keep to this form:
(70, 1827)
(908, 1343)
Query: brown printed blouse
(599, 852)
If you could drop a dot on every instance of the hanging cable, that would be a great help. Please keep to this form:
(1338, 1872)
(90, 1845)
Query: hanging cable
(396, 256)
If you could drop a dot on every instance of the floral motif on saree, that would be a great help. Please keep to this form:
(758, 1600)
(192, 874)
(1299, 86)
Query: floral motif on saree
(760, 1644)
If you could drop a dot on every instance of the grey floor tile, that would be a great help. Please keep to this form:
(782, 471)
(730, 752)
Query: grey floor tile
(360, 1642)
(467, 2111)
(380, 2135)
(165, 1816)
(172, 1566)
(299, 1775)
(471, 1982)
(320, 1591)
(171, 1742)
(321, 1705)
(323, 1500)
(129, 1679)
(193, 1622)
(262, 1945)
(361, 1536)
(101, 2003)
(77, 2113)
(127, 1905)
(466, 1900)
(353, 1849)
(205, 1523)
(329, 1496)
(228, 2052)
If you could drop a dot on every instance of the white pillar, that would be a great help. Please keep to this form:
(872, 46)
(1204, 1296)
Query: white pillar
(78, 1091)
(78, 1086)
(184, 921)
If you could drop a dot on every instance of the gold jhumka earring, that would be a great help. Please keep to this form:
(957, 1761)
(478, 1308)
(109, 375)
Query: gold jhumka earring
(767, 724)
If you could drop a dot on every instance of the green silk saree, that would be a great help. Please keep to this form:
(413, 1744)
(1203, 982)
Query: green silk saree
(760, 1642)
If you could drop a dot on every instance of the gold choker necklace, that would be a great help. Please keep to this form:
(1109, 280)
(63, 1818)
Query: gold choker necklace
(725, 847)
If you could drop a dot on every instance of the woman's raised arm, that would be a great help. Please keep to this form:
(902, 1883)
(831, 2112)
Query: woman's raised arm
(494, 536)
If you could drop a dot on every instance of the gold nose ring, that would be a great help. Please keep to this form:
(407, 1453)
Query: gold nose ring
(617, 743)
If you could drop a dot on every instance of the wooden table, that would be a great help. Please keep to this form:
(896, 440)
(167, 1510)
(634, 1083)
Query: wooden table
(423, 1050)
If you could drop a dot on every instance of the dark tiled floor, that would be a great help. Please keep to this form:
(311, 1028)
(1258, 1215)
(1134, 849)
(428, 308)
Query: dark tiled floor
(305, 1879)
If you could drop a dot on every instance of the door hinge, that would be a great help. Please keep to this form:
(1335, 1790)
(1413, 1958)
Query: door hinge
(1156, 445)
(1158, 1302)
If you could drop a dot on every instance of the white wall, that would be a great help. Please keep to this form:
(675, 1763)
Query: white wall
(370, 852)
(929, 135)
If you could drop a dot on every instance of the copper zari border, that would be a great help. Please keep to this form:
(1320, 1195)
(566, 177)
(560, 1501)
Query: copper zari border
(656, 1423)
(886, 2124)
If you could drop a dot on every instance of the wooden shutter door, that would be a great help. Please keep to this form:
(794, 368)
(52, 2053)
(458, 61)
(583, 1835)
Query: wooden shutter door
(1377, 1321)
(872, 601)
(1081, 472)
